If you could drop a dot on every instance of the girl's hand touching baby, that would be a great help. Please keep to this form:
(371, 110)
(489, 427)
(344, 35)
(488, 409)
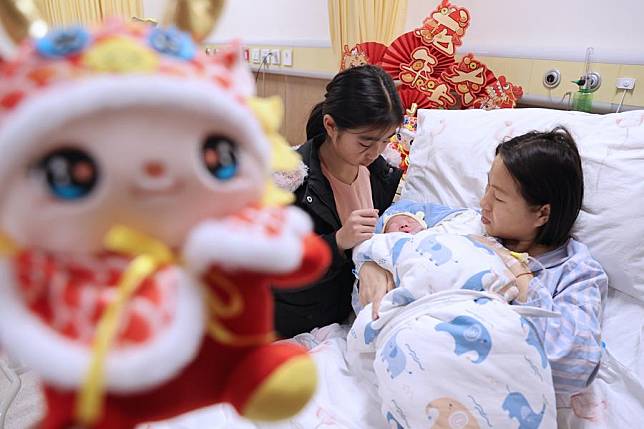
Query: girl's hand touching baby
(359, 227)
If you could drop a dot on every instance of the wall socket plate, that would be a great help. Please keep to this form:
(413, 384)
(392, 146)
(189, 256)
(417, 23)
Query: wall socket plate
(255, 56)
(287, 57)
(266, 55)
(275, 56)
(625, 83)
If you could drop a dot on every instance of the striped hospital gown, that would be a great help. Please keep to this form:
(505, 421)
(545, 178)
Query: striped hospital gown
(575, 285)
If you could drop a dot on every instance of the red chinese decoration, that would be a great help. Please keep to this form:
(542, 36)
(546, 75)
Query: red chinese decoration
(445, 27)
(469, 77)
(499, 95)
(362, 53)
(422, 62)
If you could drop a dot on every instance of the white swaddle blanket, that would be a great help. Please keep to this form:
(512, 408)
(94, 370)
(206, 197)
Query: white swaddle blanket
(444, 352)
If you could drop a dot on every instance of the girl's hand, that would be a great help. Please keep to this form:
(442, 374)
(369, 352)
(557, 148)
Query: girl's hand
(357, 228)
(375, 282)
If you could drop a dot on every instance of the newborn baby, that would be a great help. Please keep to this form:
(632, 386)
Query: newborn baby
(405, 222)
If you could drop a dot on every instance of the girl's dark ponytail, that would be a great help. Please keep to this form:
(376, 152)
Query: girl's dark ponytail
(315, 124)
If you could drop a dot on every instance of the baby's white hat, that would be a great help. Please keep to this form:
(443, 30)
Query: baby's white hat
(418, 217)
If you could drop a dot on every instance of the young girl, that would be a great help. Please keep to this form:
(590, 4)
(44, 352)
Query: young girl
(533, 197)
(347, 184)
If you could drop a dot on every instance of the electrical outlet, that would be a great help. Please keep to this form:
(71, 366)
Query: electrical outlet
(254, 54)
(625, 83)
(287, 57)
(266, 56)
(275, 56)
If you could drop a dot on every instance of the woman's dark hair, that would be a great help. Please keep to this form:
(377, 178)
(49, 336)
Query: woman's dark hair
(548, 169)
(359, 97)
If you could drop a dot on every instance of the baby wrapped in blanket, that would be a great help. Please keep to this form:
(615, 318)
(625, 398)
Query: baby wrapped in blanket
(447, 350)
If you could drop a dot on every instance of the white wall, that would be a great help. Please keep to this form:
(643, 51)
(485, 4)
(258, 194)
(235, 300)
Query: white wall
(556, 29)
(272, 22)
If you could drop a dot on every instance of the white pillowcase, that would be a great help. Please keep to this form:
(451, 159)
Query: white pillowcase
(453, 151)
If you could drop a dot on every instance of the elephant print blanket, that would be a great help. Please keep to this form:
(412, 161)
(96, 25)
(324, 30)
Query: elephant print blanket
(445, 352)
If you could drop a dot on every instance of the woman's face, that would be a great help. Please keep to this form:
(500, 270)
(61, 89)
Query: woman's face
(504, 211)
(358, 146)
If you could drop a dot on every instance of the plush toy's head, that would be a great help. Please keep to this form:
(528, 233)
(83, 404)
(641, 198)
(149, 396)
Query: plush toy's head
(127, 124)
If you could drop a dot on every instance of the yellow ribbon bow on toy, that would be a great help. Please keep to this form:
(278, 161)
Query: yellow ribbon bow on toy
(149, 255)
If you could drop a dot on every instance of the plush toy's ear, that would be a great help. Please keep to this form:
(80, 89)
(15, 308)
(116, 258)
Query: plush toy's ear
(242, 80)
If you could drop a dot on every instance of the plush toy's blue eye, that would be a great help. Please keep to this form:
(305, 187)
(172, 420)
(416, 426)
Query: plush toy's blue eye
(70, 174)
(219, 155)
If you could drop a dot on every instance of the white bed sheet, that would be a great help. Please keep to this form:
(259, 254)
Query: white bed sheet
(615, 400)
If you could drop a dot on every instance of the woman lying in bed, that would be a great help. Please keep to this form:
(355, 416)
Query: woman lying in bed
(533, 197)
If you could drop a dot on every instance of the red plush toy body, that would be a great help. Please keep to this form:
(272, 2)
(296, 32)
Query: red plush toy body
(236, 360)
(136, 190)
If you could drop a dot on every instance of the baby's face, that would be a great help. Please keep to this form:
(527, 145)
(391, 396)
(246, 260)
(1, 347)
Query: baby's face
(404, 223)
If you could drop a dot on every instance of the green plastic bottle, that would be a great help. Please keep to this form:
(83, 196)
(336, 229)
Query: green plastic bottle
(582, 100)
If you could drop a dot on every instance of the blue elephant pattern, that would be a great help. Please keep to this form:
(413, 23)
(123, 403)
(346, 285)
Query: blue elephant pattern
(370, 334)
(469, 335)
(394, 357)
(534, 340)
(402, 297)
(438, 253)
(517, 406)
(476, 281)
(391, 419)
(397, 249)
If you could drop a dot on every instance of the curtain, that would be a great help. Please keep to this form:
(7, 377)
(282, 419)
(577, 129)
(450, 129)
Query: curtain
(357, 21)
(66, 12)
(123, 8)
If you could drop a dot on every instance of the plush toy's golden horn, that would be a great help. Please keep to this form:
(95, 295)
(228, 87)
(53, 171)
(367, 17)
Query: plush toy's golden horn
(197, 17)
(21, 18)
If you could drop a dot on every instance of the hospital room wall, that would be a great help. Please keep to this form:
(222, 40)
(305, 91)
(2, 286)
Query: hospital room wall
(540, 36)
(521, 39)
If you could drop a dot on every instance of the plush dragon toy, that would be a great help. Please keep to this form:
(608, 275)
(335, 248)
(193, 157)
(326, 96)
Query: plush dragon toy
(141, 229)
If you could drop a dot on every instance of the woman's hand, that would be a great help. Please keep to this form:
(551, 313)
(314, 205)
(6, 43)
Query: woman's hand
(357, 228)
(517, 267)
(375, 282)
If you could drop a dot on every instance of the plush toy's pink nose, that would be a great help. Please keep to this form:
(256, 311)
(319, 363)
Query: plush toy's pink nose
(154, 168)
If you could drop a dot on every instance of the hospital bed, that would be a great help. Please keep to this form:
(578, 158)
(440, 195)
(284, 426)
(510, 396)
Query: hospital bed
(449, 162)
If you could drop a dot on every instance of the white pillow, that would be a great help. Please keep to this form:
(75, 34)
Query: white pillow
(453, 150)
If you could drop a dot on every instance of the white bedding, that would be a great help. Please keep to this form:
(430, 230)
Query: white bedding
(615, 400)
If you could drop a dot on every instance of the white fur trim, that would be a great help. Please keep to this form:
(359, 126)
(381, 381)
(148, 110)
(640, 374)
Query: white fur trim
(392, 156)
(291, 180)
(299, 221)
(64, 363)
(52, 108)
(241, 247)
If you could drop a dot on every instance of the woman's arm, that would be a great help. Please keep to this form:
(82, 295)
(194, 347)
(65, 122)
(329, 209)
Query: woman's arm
(375, 282)
(573, 341)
